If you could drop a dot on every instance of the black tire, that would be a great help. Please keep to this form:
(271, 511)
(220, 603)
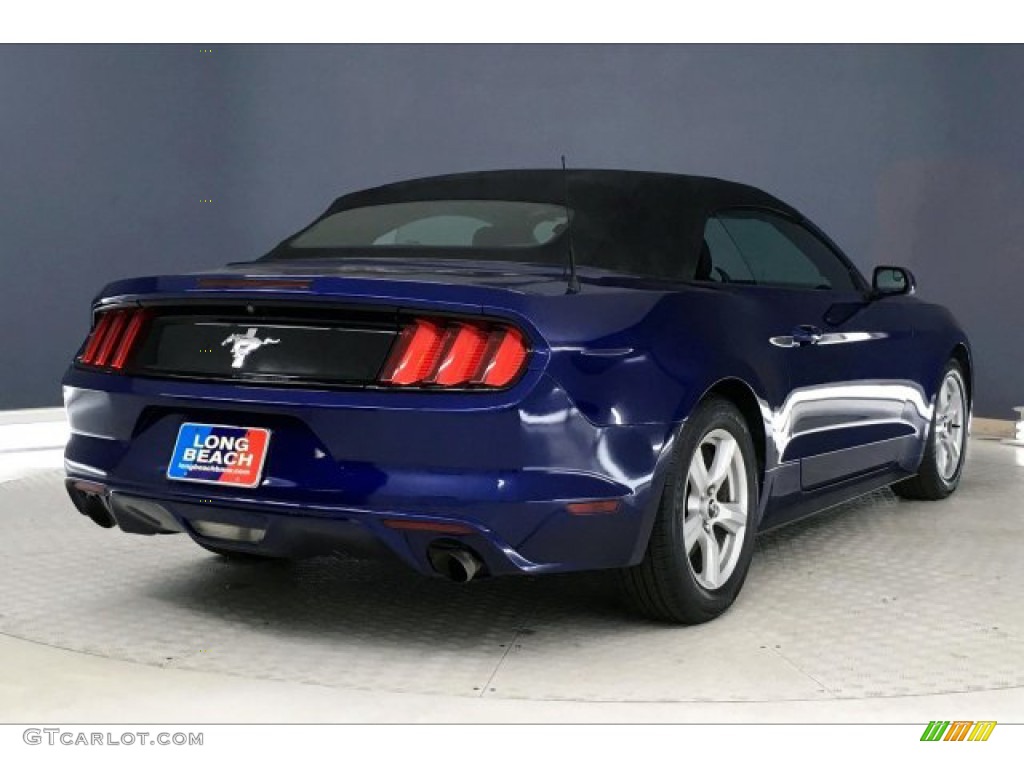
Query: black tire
(929, 484)
(664, 585)
(241, 557)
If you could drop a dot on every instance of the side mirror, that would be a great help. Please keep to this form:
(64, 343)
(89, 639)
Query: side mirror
(892, 281)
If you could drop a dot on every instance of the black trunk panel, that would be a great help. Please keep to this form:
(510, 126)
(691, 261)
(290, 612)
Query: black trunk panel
(279, 347)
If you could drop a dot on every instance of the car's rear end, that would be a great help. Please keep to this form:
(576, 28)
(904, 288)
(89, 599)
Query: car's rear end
(301, 410)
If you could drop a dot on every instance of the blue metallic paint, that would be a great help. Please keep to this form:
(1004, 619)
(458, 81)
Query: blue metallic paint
(613, 373)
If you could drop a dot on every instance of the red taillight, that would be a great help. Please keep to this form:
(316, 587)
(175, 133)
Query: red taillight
(96, 338)
(113, 334)
(455, 354)
(506, 361)
(113, 338)
(461, 355)
(128, 339)
(415, 353)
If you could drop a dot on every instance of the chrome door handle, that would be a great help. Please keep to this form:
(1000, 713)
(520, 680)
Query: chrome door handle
(804, 335)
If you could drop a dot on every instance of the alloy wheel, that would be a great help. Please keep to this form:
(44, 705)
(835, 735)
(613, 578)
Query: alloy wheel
(950, 426)
(715, 513)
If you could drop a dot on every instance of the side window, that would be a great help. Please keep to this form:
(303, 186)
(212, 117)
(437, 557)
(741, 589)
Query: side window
(781, 252)
(720, 259)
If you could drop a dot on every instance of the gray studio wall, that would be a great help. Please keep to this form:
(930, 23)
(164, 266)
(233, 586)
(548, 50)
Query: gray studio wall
(105, 152)
(906, 154)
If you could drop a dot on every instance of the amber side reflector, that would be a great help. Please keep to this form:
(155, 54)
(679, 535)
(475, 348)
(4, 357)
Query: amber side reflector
(606, 507)
(428, 525)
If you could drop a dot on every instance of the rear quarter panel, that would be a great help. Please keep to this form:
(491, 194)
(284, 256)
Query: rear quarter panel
(628, 360)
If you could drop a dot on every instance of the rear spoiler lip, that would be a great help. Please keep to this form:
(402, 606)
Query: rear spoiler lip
(313, 288)
(385, 305)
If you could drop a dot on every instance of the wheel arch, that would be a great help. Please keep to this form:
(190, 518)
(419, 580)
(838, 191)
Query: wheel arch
(962, 355)
(743, 396)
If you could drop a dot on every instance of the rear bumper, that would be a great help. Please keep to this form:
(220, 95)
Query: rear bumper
(345, 470)
(351, 532)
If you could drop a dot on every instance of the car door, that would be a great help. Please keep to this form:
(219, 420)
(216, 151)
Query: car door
(848, 411)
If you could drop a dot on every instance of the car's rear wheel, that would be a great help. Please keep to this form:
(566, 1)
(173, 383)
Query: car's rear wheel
(703, 537)
(946, 449)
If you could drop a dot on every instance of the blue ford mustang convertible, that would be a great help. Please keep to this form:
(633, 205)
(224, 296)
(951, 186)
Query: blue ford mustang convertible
(520, 372)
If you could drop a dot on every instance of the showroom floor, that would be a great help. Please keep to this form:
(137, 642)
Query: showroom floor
(882, 610)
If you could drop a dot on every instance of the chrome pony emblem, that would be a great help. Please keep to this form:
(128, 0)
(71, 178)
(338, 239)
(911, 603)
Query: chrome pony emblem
(243, 344)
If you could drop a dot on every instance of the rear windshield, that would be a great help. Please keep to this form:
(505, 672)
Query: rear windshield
(438, 224)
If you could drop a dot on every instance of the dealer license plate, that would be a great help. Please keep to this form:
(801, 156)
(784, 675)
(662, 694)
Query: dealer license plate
(219, 454)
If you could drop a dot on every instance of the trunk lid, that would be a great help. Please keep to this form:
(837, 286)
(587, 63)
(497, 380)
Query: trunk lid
(334, 322)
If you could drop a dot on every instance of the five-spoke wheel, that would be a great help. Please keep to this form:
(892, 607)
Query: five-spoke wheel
(950, 426)
(702, 540)
(715, 513)
(945, 451)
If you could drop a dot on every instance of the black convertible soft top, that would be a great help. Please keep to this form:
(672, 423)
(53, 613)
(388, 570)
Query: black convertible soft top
(646, 222)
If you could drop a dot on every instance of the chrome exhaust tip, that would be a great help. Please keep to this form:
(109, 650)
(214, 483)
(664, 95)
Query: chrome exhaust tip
(457, 564)
(462, 566)
(91, 500)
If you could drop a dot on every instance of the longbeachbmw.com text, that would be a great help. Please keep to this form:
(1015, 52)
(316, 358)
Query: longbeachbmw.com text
(68, 738)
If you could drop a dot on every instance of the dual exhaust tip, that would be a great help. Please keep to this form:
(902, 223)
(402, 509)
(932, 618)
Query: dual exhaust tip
(454, 562)
(450, 559)
(91, 500)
